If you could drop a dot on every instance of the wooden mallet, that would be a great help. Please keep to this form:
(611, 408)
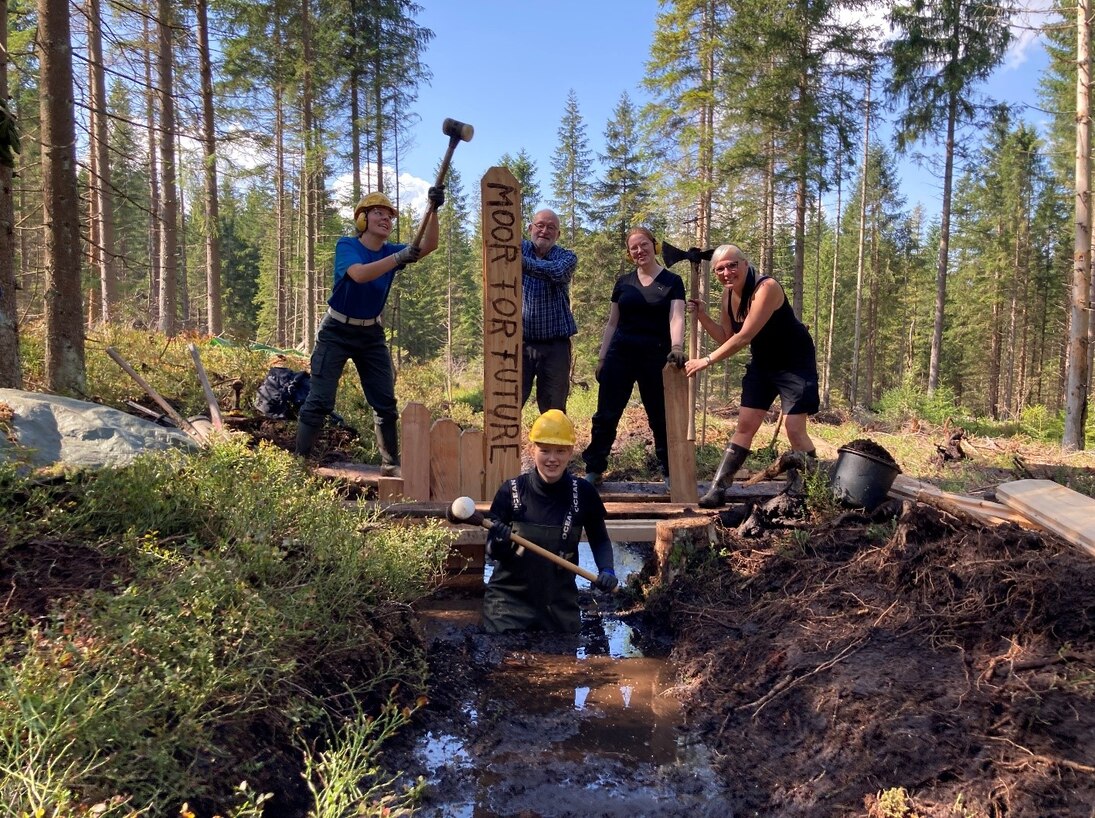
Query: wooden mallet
(456, 131)
(463, 510)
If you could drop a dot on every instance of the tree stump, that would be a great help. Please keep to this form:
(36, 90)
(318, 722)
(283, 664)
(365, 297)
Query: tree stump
(680, 541)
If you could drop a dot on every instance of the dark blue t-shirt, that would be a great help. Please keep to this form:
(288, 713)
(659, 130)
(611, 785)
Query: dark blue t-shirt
(361, 300)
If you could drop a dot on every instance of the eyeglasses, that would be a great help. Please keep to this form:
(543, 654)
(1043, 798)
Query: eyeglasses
(546, 226)
(727, 265)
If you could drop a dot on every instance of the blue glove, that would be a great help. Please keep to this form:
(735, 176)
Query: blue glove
(499, 544)
(606, 580)
(436, 196)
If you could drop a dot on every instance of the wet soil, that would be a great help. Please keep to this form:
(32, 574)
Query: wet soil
(929, 654)
(554, 725)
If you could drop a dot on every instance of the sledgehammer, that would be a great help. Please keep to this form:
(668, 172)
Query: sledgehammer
(456, 131)
(463, 510)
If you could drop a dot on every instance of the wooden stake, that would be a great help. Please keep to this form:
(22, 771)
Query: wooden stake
(183, 424)
(210, 398)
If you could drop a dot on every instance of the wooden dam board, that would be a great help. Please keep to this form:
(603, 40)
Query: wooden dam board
(1054, 507)
(682, 451)
(444, 460)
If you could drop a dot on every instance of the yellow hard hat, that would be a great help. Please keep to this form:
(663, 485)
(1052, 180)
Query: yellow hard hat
(374, 199)
(553, 428)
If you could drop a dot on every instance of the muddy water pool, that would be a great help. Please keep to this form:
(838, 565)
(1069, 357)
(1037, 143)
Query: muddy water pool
(553, 726)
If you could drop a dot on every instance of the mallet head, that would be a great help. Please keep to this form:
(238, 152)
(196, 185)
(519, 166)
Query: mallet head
(462, 510)
(456, 128)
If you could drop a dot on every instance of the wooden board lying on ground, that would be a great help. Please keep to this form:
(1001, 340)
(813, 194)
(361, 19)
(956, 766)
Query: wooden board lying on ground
(1067, 513)
(907, 488)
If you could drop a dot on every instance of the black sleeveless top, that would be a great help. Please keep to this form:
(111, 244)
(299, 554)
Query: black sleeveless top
(783, 343)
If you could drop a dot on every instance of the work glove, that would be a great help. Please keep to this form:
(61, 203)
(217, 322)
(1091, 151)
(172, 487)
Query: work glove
(676, 356)
(436, 196)
(499, 544)
(606, 580)
(408, 255)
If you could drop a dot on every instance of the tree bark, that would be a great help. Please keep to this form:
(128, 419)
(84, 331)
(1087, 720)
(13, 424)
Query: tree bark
(863, 183)
(308, 191)
(169, 227)
(101, 190)
(64, 364)
(1077, 357)
(11, 369)
(214, 311)
(155, 219)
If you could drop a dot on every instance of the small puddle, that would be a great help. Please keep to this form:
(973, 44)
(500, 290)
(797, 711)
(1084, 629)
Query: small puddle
(567, 726)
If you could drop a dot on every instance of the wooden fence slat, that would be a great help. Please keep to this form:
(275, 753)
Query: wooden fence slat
(472, 471)
(416, 451)
(444, 460)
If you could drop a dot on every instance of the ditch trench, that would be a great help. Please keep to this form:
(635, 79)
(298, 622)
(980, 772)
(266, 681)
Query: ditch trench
(553, 725)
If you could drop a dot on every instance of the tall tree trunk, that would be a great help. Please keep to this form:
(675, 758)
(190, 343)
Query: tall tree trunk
(11, 369)
(155, 217)
(827, 368)
(101, 191)
(768, 259)
(308, 193)
(864, 182)
(378, 112)
(944, 247)
(214, 312)
(281, 264)
(169, 226)
(64, 367)
(1077, 358)
(355, 130)
(182, 280)
(699, 276)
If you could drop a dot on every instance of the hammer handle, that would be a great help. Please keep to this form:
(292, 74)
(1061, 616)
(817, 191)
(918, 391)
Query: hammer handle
(548, 555)
(441, 174)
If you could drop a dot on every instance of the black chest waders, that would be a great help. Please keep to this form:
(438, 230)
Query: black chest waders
(529, 592)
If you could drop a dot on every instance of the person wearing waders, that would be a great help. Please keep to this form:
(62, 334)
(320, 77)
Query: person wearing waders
(365, 267)
(755, 313)
(550, 507)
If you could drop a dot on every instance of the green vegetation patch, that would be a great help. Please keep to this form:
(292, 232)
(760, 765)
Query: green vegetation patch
(225, 615)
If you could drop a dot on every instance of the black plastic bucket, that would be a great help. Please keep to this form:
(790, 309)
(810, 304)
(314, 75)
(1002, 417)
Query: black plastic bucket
(861, 480)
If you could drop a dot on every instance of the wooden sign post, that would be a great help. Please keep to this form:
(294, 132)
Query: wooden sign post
(501, 196)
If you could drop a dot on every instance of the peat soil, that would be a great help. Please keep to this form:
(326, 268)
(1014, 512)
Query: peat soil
(539, 725)
(920, 665)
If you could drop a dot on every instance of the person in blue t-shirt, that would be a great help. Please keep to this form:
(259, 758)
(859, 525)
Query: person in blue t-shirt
(365, 267)
(645, 330)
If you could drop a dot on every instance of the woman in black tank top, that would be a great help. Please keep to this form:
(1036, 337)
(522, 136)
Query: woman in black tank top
(783, 362)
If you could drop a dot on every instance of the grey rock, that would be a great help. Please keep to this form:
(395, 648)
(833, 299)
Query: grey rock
(52, 429)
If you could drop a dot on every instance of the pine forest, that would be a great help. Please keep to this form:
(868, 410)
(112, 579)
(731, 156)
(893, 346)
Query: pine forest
(169, 166)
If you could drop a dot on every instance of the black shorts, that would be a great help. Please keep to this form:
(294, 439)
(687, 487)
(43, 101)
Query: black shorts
(797, 391)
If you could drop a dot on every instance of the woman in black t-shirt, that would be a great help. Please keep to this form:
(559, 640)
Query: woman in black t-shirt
(645, 329)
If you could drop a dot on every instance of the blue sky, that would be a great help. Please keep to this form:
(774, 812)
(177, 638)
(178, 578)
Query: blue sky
(507, 66)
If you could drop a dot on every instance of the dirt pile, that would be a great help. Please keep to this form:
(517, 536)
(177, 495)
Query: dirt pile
(922, 653)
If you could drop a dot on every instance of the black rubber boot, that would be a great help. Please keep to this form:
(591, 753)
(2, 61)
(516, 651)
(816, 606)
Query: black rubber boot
(732, 459)
(306, 438)
(387, 441)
